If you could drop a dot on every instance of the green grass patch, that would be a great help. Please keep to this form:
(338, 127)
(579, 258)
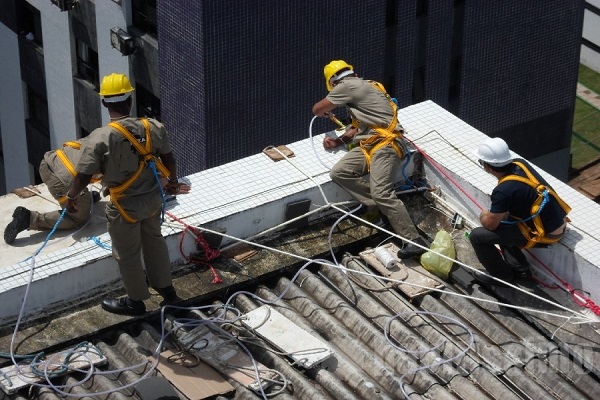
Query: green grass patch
(585, 142)
(589, 78)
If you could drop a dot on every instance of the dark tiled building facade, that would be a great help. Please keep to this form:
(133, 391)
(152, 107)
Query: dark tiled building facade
(236, 76)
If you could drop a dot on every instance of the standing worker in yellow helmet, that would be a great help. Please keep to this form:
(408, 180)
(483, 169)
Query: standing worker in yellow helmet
(130, 151)
(57, 172)
(379, 149)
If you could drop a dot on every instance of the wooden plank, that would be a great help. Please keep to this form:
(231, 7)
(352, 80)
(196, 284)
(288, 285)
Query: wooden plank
(408, 270)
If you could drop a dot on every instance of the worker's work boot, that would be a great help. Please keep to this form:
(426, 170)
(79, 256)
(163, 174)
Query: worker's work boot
(521, 271)
(410, 250)
(20, 222)
(124, 306)
(169, 295)
(487, 280)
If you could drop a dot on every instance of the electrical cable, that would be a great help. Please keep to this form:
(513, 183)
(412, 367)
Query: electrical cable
(215, 321)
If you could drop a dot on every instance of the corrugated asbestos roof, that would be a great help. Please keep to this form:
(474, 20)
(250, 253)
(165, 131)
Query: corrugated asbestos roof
(382, 341)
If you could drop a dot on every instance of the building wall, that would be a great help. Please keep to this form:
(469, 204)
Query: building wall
(590, 48)
(519, 74)
(253, 70)
(12, 113)
(235, 77)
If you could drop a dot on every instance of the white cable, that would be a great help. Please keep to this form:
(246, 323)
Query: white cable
(312, 143)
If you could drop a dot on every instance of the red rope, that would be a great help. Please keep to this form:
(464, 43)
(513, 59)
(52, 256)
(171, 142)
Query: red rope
(209, 252)
(437, 166)
(578, 296)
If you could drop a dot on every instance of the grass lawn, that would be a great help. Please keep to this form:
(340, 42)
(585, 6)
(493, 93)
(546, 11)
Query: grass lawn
(589, 77)
(585, 142)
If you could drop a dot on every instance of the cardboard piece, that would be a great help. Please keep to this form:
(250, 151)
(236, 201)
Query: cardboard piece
(27, 191)
(191, 376)
(275, 155)
(155, 388)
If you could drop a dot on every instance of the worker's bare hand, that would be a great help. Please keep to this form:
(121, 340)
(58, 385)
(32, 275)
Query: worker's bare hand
(330, 143)
(177, 188)
(71, 205)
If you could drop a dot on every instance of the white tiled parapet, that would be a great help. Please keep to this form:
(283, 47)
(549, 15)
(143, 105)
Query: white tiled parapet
(451, 142)
(250, 195)
(244, 197)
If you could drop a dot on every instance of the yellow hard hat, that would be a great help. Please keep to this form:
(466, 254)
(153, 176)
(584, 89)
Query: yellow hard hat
(332, 70)
(117, 85)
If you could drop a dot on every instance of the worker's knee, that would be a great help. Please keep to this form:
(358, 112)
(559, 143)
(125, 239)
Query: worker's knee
(335, 173)
(477, 235)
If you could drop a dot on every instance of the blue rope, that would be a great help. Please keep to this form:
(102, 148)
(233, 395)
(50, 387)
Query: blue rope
(152, 166)
(62, 214)
(96, 240)
(409, 182)
(544, 201)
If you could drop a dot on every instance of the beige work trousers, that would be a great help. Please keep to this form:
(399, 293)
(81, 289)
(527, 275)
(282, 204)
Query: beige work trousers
(47, 220)
(131, 242)
(377, 187)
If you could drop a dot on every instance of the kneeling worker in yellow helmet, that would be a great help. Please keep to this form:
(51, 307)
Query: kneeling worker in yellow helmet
(57, 172)
(125, 151)
(379, 149)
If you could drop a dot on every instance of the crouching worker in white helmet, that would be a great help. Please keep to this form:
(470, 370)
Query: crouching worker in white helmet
(525, 212)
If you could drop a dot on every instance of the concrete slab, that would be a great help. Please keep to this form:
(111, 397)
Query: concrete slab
(29, 242)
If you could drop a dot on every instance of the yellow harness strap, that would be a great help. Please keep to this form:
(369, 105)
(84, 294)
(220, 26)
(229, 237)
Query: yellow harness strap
(537, 235)
(384, 136)
(68, 164)
(116, 193)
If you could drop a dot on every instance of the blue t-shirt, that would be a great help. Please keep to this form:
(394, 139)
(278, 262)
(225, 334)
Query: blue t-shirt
(517, 198)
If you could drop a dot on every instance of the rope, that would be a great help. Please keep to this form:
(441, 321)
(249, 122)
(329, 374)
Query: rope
(210, 253)
(152, 166)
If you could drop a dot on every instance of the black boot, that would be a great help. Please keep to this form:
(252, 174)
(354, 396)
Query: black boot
(20, 222)
(169, 295)
(124, 306)
(521, 272)
(486, 280)
(410, 250)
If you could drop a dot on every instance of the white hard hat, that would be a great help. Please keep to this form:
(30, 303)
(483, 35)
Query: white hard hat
(495, 151)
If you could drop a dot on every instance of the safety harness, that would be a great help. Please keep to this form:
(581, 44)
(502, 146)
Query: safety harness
(116, 193)
(535, 235)
(68, 164)
(383, 136)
